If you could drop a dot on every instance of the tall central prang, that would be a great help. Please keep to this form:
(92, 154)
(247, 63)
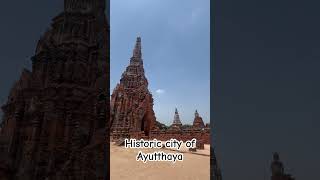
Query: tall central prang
(131, 102)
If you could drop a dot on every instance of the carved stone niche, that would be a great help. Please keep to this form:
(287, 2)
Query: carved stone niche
(142, 96)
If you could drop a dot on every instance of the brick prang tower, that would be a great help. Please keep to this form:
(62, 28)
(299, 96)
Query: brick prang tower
(131, 101)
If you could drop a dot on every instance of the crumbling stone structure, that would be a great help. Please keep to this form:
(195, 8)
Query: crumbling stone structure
(198, 122)
(56, 115)
(197, 131)
(132, 112)
(176, 120)
(131, 102)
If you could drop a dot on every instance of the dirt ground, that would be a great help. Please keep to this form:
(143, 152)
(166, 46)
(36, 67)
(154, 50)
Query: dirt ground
(125, 167)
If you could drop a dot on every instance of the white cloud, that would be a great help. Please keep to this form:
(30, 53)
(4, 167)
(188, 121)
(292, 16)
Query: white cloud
(160, 91)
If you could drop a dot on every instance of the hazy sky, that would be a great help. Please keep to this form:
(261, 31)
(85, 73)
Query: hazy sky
(176, 52)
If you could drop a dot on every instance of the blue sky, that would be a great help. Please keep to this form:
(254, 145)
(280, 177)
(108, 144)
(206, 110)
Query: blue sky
(175, 49)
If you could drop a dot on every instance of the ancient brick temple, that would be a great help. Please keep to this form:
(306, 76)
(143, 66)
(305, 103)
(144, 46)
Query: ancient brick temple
(176, 120)
(198, 122)
(131, 102)
(54, 123)
(184, 132)
(132, 112)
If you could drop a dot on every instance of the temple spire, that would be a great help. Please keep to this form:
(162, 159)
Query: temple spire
(196, 114)
(131, 100)
(198, 122)
(134, 76)
(137, 49)
(176, 119)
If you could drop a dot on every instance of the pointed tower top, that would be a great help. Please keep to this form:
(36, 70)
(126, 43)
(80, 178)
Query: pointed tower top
(198, 122)
(134, 76)
(196, 114)
(137, 49)
(176, 119)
